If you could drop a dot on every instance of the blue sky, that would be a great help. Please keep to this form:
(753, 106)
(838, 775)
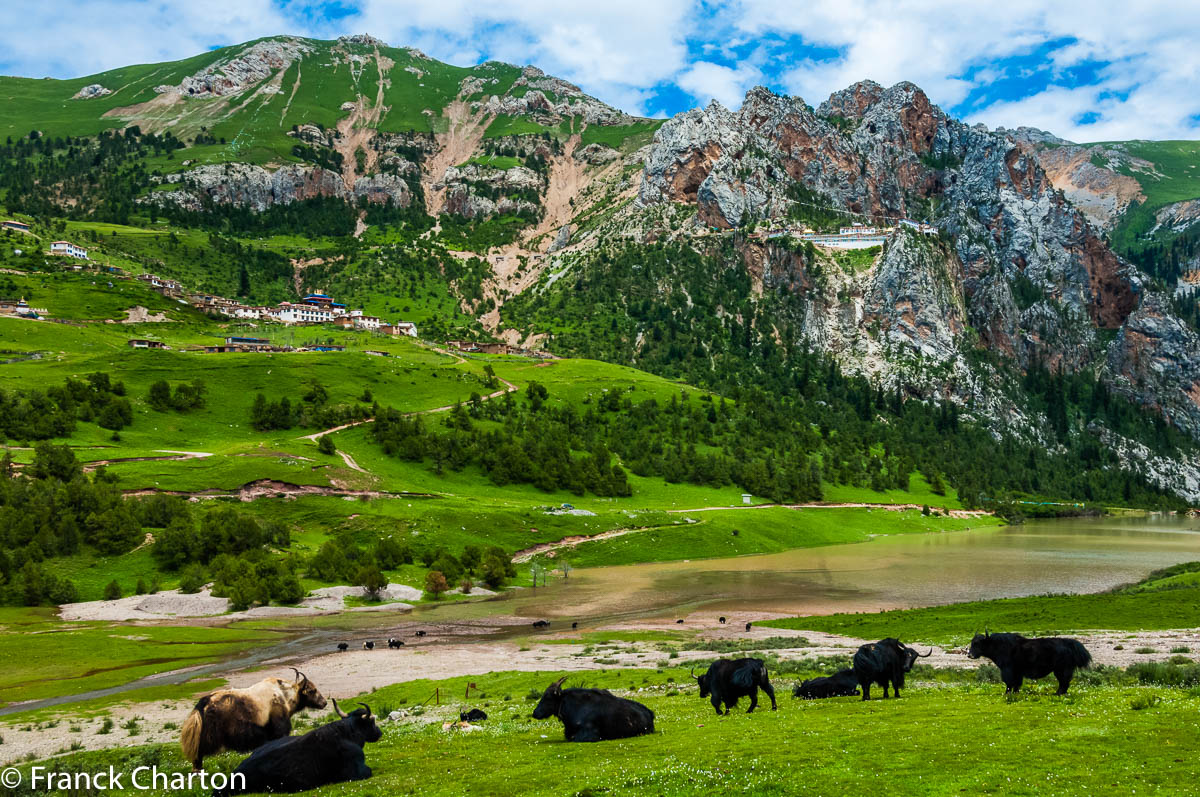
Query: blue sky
(1092, 71)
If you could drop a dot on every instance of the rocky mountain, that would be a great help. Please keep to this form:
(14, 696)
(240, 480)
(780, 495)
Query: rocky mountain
(1036, 262)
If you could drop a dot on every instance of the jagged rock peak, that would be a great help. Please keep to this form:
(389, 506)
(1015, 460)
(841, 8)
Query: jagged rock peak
(362, 38)
(852, 102)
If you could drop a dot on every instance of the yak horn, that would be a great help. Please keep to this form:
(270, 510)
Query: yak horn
(925, 656)
(558, 684)
(299, 675)
(337, 710)
(692, 673)
(368, 708)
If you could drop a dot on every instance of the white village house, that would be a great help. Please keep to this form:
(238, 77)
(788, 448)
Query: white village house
(68, 249)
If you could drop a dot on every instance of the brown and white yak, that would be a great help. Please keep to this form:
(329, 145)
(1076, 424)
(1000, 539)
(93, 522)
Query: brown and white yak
(245, 719)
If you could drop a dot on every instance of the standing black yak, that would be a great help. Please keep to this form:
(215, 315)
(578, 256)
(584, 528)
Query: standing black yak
(843, 683)
(1019, 658)
(593, 715)
(884, 662)
(730, 679)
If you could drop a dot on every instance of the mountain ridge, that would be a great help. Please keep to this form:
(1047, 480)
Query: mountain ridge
(531, 183)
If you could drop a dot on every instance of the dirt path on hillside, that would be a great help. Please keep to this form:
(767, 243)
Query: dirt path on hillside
(457, 144)
(570, 542)
(509, 387)
(350, 463)
(295, 87)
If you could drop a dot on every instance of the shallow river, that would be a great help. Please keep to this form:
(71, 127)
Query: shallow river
(1081, 555)
(1076, 555)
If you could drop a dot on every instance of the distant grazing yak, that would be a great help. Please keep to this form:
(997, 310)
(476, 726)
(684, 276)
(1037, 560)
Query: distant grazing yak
(593, 715)
(843, 683)
(747, 626)
(332, 753)
(1019, 658)
(727, 680)
(245, 719)
(721, 620)
(541, 623)
(368, 645)
(884, 662)
(420, 633)
(474, 715)
(343, 646)
(395, 643)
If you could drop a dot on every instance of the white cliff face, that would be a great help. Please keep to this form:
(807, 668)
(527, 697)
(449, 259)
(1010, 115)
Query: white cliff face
(259, 189)
(544, 97)
(248, 68)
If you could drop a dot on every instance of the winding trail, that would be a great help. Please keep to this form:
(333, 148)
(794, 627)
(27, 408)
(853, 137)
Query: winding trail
(509, 387)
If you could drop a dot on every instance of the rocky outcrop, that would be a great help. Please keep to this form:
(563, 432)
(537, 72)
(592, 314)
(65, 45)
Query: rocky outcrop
(1156, 359)
(1100, 192)
(235, 74)
(1019, 269)
(596, 154)
(259, 189)
(546, 99)
(464, 199)
(91, 91)
(1177, 217)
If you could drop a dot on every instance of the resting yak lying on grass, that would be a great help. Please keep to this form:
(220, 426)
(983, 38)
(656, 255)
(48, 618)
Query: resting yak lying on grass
(332, 753)
(843, 683)
(1019, 658)
(593, 715)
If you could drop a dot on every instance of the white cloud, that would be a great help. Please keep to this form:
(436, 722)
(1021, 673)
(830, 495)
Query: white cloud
(707, 81)
(621, 50)
(929, 42)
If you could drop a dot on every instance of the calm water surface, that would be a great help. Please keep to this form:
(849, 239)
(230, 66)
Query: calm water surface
(1076, 555)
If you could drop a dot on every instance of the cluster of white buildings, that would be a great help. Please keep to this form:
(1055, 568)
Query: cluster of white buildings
(856, 236)
(316, 308)
(68, 249)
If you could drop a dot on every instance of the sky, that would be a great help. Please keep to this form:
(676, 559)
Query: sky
(1096, 71)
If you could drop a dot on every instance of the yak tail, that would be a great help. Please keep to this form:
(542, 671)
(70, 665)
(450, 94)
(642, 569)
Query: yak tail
(189, 738)
(1079, 655)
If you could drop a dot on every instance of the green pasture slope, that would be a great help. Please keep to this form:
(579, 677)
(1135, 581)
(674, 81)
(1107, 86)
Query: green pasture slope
(254, 123)
(1165, 599)
(947, 735)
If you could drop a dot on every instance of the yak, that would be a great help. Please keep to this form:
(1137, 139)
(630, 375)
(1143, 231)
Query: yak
(884, 662)
(593, 715)
(369, 645)
(332, 753)
(721, 620)
(541, 623)
(574, 625)
(747, 626)
(343, 646)
(420, 633)
(728, 680)
(474, 715)
(245, 719)
(1019, 658)
(843, 683)
(395, 643)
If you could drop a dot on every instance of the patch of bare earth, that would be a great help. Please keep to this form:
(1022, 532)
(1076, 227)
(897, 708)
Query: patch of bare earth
(464, 132)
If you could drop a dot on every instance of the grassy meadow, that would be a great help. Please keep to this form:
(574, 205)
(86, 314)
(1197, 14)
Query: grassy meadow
(951, 733)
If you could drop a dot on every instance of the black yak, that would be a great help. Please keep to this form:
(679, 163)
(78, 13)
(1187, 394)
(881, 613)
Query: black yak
(368, 645)
(245, 719)
(593, 715)
(574, 625)
(343, 646)
(884, 662)
(420, 633)
(727, 680)
(721, 620)
(843, 683)
(1019, 658)
(747, 626)
(395, 643)
(541, 623)
(474, 715)
(332, 753)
